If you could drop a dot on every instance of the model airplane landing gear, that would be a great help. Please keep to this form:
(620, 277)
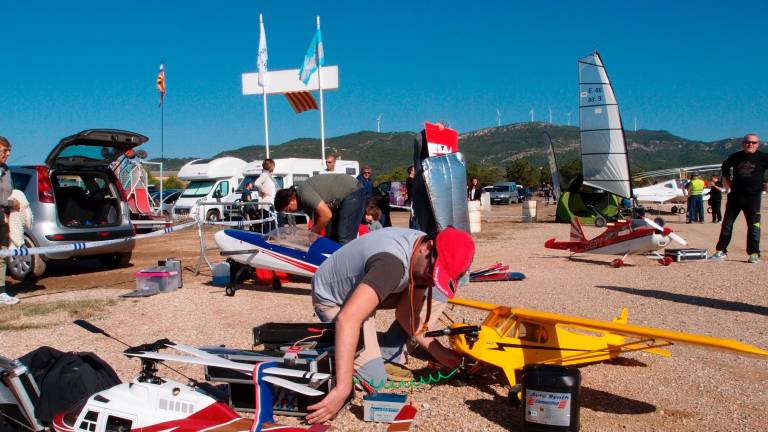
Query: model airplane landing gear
(618, 262)
(229, 290)
(665, 261)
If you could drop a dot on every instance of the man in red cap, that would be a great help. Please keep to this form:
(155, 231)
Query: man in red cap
(392, 268)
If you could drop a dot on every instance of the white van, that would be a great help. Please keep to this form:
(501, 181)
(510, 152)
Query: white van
(209, 180)
(290, 171)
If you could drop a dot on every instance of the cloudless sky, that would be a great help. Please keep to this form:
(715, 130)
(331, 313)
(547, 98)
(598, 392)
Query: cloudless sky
(695, 68)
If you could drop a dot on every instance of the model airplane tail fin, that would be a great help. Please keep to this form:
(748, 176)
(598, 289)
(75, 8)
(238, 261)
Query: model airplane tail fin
(577, 233)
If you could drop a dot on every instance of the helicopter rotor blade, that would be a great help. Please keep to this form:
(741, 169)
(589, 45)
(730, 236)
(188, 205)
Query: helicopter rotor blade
(271, 371)
(229, 364)
(290, 385)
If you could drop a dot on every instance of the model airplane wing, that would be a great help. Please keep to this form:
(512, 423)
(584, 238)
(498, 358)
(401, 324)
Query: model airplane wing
(634, 331)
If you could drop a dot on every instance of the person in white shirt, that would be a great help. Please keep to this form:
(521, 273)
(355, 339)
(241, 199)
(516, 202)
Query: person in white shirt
(265, 184)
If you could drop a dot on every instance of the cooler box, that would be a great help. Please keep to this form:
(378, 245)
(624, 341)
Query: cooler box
(157, 278)
(382, 407)
(686, 254)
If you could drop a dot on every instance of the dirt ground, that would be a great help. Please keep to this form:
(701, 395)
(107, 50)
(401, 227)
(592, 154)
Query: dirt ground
(694, 390)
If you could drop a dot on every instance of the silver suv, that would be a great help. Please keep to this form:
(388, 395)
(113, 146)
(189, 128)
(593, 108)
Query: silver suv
(76, 197)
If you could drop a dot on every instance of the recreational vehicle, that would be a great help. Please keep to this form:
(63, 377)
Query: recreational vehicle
(290, 171)
(209, 180)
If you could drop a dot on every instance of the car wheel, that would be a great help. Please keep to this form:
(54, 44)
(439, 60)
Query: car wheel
(29, 267)
(116, 260)
(212, 216)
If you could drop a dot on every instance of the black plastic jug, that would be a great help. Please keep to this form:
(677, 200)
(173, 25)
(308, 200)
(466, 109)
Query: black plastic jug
(550, 398)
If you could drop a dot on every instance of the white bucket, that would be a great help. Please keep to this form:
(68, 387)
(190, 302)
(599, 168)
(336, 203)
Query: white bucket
(485, 201)
(474, 216)
(529, 211)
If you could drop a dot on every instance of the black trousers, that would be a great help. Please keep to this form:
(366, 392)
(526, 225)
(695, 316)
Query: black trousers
(717, 213)
(750, 205)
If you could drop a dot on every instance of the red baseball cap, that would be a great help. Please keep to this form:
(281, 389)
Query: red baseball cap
(455, 250)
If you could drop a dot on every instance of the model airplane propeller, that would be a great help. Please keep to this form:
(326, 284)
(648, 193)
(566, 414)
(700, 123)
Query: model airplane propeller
(625, 237)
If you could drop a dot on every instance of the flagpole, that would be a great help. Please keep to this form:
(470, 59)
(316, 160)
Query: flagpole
(320, 88)
(162, 137)
(264, 94)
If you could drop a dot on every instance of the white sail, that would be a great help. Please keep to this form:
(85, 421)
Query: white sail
(603, 150)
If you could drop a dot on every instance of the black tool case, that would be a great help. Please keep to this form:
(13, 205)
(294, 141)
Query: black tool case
(686, 254)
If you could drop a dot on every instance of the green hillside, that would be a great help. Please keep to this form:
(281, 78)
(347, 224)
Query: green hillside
(495, 147)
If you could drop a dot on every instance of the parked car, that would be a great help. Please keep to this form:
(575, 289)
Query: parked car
(169, 199)
(505, 193)
(76, 197)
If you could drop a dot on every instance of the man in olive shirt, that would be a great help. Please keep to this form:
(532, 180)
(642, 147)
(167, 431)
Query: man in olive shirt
(334, 201)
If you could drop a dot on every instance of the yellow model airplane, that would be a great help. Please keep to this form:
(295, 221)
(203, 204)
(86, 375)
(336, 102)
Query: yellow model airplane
(511, 338)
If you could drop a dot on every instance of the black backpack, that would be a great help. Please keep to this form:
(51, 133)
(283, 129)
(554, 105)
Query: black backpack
(66, 378)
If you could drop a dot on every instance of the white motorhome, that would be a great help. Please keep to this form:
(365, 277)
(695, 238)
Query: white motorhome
(209, 180)
(290, 171)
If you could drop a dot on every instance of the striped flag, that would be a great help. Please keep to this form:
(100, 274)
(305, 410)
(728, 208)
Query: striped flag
(262, 60)
(301, 101)
(313, 58)
(161, 83)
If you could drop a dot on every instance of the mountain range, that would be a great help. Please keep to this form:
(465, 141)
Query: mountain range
(494, 146)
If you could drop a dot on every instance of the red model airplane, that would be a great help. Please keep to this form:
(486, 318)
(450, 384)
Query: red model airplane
(625, 237)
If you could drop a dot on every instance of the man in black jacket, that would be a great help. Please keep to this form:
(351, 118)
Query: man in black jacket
(743, 172)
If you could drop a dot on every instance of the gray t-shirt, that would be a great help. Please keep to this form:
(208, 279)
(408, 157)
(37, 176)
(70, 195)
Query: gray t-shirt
(375, 258)
(330, 188)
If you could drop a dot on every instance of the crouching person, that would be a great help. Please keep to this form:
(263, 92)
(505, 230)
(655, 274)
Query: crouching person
(391, 268)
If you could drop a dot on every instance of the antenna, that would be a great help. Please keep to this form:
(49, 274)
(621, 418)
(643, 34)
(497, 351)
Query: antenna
(635, 123)
(498, 117)
(531, 114)
(569, 119)
(378, 123)
(550, 115)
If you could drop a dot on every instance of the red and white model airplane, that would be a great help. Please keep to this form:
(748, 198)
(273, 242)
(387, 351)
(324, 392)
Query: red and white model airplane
(625, 237)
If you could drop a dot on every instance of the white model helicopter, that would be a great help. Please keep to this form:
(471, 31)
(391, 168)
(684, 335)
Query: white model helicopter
(153, 404)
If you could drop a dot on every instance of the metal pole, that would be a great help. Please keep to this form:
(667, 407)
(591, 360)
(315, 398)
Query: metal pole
(162, 145)
(320, 87)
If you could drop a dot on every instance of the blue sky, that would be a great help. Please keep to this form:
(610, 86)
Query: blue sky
(695, 68)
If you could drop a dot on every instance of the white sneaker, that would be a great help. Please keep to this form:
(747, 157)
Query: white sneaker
(719, 256)
(9, 300)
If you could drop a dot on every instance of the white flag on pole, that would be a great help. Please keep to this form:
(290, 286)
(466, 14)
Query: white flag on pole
(262, 60)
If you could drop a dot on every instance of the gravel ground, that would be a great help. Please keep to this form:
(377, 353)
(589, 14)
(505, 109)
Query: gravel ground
(695, 389)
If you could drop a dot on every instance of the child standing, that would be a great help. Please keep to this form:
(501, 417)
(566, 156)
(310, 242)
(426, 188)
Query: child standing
(372, 215)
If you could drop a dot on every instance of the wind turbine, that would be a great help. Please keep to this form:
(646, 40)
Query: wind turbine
(498, 117)
(531, 114)
(569, 119)
(635, 123)
(378, 123)
(550, 115)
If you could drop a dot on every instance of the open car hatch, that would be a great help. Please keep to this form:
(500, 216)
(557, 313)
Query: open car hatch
(96, 147)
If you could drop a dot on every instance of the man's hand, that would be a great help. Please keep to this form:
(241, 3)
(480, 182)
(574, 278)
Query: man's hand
(14, 205)
(447, 357)
(324, 410)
